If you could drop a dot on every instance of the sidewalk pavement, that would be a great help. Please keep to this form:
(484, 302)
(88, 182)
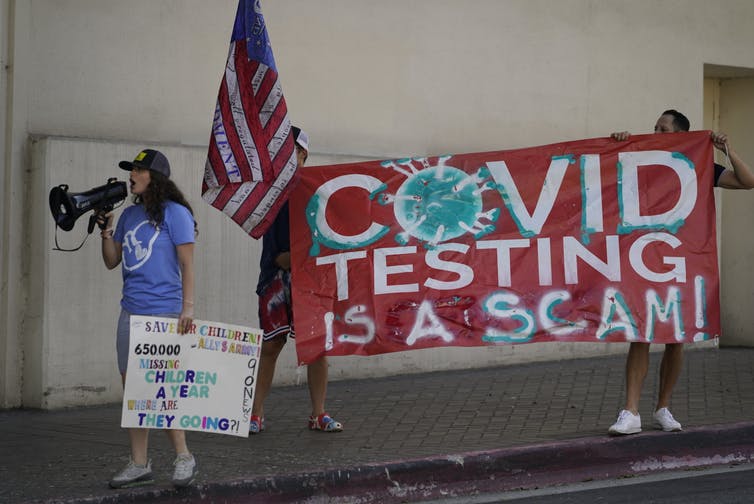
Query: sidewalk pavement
(407, 438)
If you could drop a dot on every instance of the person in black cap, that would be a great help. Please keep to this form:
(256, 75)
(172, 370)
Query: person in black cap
(154, 242)
(276, 317)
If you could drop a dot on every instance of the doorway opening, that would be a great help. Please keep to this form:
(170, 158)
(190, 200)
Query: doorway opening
(729, 108)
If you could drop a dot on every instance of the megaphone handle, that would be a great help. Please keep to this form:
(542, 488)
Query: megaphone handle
(92, 222)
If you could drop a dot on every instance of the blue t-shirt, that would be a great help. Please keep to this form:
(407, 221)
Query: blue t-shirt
(151, 274)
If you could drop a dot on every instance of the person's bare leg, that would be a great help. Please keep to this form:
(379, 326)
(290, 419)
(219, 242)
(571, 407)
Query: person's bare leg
(139, 441)
(637, 364)
(270, 351)
(316, 374)
(670, 370)
(139, 438)
(178, 440)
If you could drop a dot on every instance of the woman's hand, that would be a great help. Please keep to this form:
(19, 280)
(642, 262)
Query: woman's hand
(186, 318)
(105, 223)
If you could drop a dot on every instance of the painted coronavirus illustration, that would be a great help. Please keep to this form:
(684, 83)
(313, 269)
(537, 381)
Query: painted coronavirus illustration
(437, 203)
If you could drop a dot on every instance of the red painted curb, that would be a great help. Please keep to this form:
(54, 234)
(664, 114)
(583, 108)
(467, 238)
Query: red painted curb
(525, 467)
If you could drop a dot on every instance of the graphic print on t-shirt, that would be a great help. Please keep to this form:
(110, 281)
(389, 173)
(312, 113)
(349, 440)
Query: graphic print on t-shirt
(135, 254)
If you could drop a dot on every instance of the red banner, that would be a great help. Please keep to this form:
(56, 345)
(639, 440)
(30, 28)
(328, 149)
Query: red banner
(594, 240)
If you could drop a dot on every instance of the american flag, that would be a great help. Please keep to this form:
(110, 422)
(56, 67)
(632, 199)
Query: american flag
(251, 162)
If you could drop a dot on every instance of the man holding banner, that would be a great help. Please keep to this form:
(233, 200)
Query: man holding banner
(637, 362)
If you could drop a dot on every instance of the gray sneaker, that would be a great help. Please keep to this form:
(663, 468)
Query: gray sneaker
(185, 470)
(133, 475)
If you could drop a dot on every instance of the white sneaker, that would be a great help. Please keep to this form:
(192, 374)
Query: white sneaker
(627, 423)
(185, 470)
(665, 420)
(133, 475)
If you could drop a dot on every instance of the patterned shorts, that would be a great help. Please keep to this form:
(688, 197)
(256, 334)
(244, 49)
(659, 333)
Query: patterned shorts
(275, 315)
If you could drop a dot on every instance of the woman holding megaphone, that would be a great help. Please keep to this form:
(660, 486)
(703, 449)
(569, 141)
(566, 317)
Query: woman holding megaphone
(154, 242)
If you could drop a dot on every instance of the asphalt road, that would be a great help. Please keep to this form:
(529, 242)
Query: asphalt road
(719, 485)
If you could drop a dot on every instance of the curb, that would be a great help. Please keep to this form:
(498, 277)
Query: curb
(520, 468)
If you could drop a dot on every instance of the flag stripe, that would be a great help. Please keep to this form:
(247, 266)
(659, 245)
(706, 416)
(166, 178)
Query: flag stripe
(237, 107)
(278, 138)
(251, 102)
(221, 153)
(270, 105)
(253, 209)
(276, 194)
(256, 81)
(229, 148)
(267, 98)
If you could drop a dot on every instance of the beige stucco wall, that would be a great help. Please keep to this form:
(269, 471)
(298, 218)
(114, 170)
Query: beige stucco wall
(388, 78)
(365, 79)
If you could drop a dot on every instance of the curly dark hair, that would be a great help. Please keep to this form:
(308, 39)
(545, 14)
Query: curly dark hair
(160, 190)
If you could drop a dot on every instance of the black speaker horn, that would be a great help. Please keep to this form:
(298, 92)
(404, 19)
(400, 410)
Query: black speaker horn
(67, 207)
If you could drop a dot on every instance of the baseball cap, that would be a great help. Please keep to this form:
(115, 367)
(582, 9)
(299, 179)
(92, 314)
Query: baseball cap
(151, 160)
(301, 138)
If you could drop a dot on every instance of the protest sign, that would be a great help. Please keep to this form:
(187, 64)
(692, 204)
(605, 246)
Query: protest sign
(203, 380)
(593, 240)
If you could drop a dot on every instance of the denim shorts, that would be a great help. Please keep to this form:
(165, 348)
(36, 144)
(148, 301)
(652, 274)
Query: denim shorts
(124, 336)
